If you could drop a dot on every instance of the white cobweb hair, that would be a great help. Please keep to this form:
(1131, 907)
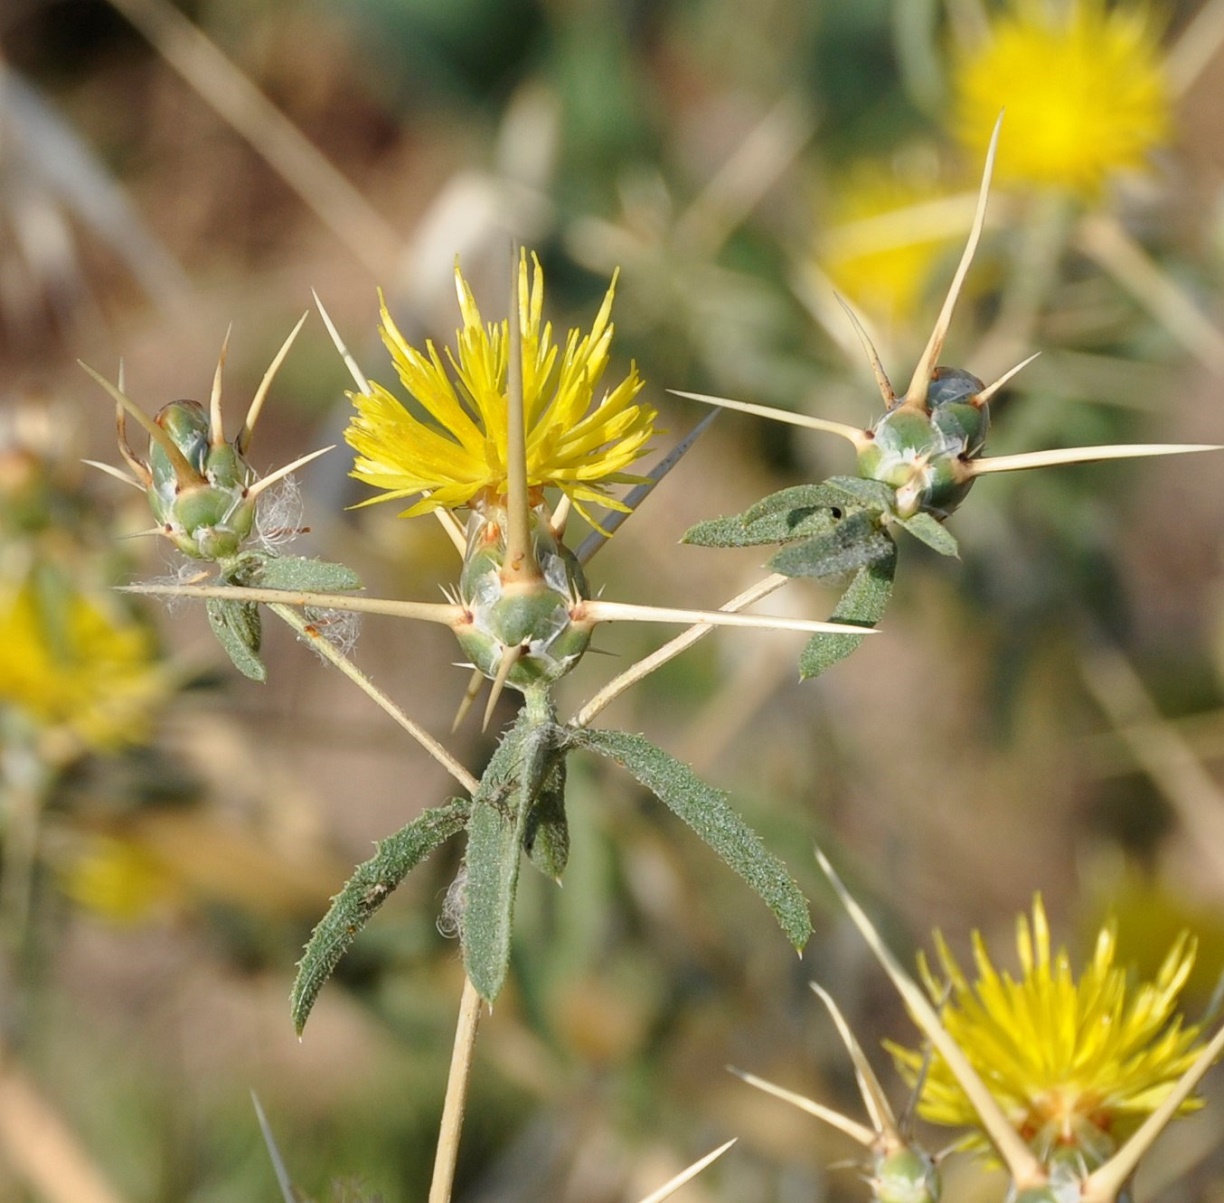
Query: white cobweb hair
(278, 514)
(340, 628)
(454, 906)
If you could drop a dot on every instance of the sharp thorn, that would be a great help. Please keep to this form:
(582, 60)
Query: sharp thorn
(990, 390)
(248, 426)
(117, 473)
(877, 368)
(363, 385)
(510, 657)
(216, 424)
(470, 694)
(634, 498)
(916, 394)
(851, 433)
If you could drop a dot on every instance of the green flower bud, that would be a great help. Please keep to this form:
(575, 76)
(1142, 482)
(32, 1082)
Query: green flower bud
(905, 1175)
(531, 617)
(210, 516)
(921, 453)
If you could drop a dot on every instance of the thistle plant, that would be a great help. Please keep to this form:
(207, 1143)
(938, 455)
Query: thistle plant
(515, 418)
(915, 467)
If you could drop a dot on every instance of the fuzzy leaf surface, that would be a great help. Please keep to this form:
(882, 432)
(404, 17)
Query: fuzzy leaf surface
(238, 629)
(301, 573)
(707, 811)
(853, 543)
(520, 768)
(926, 528)
(369, 887)
(863, 604)
(546, 832)
(795, 513)
(871, 494)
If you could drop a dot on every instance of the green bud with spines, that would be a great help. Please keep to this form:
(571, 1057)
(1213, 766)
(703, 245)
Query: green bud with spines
(532, 618)
(922, 452)
(905, 1175)
(209, 514)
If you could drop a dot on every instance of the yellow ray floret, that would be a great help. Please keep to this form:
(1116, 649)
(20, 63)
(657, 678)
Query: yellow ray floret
(1083, 86)
(1074, 1065)
(458, 456)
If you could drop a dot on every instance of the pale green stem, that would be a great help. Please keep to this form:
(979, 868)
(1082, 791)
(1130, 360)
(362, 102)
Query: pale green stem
(28, 779)
(456, 1095)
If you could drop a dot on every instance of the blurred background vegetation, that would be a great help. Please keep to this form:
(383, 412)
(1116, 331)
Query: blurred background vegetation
(1043, 714)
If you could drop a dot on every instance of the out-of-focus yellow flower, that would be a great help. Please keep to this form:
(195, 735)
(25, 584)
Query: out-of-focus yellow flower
(68, 663)
(883, 234)
(1083, 86)
(1076, 1066)
(459, 457)
(120, 880)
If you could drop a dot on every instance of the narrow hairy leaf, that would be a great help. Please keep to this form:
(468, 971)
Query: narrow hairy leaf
(520, 769)
(301, 573)
(797, 499)
(546, 832)
(707, 811)
(863, 604)
(851, 544)
(369, 887)
(238, 629)
(872, 494)
(796, 513)
(929, 530)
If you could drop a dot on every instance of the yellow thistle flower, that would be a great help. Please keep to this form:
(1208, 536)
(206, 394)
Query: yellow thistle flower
(120, 880)
(1076, 1067)
(69, 664)
(1083, 86)
(885, 233)
(459, 457)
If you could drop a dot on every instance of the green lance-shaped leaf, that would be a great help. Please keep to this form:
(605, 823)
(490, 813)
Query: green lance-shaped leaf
(238, 629)
(707, 811)
(795, 513)
(302, 574)
(369, 887)
(863, 603)
(546, 832)
(521, 772)
(854, 543)
(926, 528)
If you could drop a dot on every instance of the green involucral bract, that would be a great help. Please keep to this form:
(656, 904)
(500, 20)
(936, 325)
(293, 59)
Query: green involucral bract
(208, 519)
(905, 1175)
(921, 454)
(533, 616)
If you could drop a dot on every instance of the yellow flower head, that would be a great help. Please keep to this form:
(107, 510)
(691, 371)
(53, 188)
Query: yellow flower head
(458, 457)
(120, 880)
(1083, 87)
(1075, 1066)
(70, 664)
(885, 234)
